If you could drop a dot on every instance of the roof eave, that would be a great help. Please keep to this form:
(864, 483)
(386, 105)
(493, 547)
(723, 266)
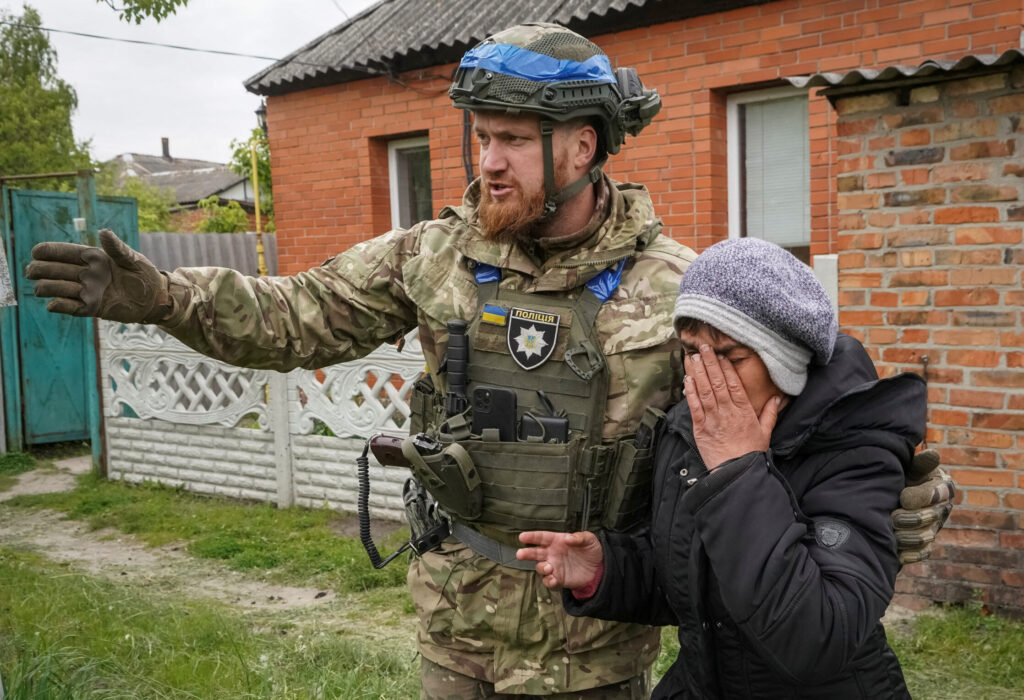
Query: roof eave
(866, 81)
(637, 13)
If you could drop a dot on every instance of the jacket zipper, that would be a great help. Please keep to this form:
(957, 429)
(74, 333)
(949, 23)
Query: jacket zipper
(589, 263)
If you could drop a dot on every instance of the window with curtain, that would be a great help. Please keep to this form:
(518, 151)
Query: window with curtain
(769, 168)
(409, 174)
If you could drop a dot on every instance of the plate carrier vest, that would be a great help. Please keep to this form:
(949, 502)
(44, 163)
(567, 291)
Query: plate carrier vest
(525, 484)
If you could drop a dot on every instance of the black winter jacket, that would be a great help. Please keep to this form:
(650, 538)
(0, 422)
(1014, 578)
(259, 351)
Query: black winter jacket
(777, 566)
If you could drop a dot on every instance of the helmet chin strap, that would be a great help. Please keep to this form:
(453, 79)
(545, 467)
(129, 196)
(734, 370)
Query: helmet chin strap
(552, 198)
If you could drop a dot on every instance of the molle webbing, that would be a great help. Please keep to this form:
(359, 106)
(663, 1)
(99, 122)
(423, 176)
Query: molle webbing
(528, 484)
(582, 398)
(533, 485)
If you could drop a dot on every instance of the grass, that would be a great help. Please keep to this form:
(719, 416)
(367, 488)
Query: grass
(292, 545)
(71, 636)
(669, 652)
(963, 653)
(16, 463)
(67, 635)
(12, 464)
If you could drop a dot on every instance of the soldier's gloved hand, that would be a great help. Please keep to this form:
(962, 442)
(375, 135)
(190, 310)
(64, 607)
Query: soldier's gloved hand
(926, 502)
(113, 282)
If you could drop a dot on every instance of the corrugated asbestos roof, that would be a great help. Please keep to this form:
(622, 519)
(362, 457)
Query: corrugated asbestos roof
(189, 179)
(867, 78)
(398, 35)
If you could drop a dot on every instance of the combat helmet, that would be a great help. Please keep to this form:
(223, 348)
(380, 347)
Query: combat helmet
(551, 71)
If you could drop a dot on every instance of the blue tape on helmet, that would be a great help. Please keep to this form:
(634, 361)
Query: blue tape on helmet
(529, 65)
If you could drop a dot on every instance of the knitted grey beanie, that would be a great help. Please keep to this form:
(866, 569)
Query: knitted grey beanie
(760, 295)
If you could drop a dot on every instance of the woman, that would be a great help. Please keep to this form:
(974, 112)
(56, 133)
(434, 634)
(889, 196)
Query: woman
(770, 544)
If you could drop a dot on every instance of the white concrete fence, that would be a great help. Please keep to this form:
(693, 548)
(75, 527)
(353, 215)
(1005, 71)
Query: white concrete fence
(177, 417)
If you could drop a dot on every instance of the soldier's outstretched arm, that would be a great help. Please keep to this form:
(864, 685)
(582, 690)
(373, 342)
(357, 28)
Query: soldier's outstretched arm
(339, 311)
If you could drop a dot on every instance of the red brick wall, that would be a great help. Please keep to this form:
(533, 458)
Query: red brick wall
(328, 145)
(931, 223)
(329, 159)
(186, 220)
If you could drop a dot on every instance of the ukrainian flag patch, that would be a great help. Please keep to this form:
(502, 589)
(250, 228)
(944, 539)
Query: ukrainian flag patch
(494, 314)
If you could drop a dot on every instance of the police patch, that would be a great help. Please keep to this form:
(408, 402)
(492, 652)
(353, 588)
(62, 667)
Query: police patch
(531, 336)
(831, 533)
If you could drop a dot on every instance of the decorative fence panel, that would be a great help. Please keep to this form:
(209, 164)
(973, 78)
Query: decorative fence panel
(183, 419)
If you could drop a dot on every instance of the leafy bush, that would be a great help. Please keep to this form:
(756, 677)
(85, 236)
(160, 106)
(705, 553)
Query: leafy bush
(227, 218)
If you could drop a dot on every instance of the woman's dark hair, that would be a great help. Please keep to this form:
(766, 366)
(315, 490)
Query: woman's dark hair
(694, 326)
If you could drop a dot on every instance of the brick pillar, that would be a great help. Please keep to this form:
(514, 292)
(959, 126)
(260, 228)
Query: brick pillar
(930, 229)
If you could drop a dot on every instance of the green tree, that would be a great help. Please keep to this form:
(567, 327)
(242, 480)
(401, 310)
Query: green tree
(155, 203)
(229, 218)
(35, 104)
(241, 163)
(138, 10)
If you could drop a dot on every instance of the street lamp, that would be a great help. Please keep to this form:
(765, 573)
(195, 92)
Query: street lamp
(261, 117)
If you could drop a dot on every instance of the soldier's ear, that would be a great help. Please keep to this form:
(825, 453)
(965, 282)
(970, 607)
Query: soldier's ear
(583, 144)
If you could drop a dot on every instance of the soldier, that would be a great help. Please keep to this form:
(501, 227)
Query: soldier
(567, 286)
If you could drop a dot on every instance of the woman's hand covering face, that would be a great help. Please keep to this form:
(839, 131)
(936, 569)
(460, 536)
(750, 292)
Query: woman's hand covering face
(725, 424)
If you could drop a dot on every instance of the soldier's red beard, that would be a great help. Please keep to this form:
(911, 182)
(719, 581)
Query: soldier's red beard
(513, 218)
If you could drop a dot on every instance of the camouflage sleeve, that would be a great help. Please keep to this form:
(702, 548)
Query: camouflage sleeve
(339, 311)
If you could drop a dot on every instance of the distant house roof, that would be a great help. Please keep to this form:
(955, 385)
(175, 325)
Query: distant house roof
(863, 79)
(189, 179)
(393, 36)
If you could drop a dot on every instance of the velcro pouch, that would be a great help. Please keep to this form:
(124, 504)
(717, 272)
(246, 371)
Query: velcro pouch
(628, 498)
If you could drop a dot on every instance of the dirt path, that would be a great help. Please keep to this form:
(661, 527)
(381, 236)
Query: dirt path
(170, 572)
(60, 477)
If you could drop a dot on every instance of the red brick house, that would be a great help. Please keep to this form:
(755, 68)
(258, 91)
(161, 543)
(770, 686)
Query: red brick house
(362, 136)
(929, 229)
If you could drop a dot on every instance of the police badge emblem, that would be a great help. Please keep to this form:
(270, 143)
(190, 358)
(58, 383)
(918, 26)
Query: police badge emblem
(531, 336)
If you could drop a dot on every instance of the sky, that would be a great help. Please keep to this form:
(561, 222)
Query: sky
(130, 96)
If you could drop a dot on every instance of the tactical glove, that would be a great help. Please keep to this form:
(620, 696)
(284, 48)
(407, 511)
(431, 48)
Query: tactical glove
(926, 502)
(113, 282)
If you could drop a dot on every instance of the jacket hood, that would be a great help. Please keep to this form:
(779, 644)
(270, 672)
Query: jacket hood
(844, 405)
(630, 226)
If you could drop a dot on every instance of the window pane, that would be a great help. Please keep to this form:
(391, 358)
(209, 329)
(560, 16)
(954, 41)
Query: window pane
(777, 171)
(413, 183)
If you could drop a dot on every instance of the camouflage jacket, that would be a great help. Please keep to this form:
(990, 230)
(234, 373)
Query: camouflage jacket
(380, 289)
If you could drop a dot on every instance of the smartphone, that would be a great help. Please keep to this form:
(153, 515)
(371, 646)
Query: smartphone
(495, 407)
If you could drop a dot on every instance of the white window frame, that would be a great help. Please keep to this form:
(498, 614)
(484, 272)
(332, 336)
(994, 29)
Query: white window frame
(733, 140)
(393, 148)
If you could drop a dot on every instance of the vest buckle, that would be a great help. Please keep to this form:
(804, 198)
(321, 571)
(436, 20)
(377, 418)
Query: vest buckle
(594, 359)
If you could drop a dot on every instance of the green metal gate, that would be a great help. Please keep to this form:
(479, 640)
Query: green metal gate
(49, 360)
